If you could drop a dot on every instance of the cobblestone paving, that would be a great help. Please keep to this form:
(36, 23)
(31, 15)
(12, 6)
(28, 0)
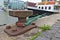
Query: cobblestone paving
(53, 34)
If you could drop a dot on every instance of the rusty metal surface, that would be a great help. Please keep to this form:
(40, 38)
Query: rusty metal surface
(20, 13)
(14, 30)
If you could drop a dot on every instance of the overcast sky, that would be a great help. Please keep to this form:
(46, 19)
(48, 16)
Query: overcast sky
(31, 0)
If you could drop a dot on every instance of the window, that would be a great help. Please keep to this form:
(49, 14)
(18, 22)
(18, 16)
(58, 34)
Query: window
(43, 0)
(45, 7)
(55, 0)
(42, 7)
(49, 7)
(49, 0)
(56, 8)
(39, 7)
(6, 2)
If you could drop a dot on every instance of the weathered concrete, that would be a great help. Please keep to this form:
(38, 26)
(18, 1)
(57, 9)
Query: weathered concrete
(50, 20)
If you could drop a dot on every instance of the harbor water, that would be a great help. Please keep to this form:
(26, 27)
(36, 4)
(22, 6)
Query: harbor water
(6, 19)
